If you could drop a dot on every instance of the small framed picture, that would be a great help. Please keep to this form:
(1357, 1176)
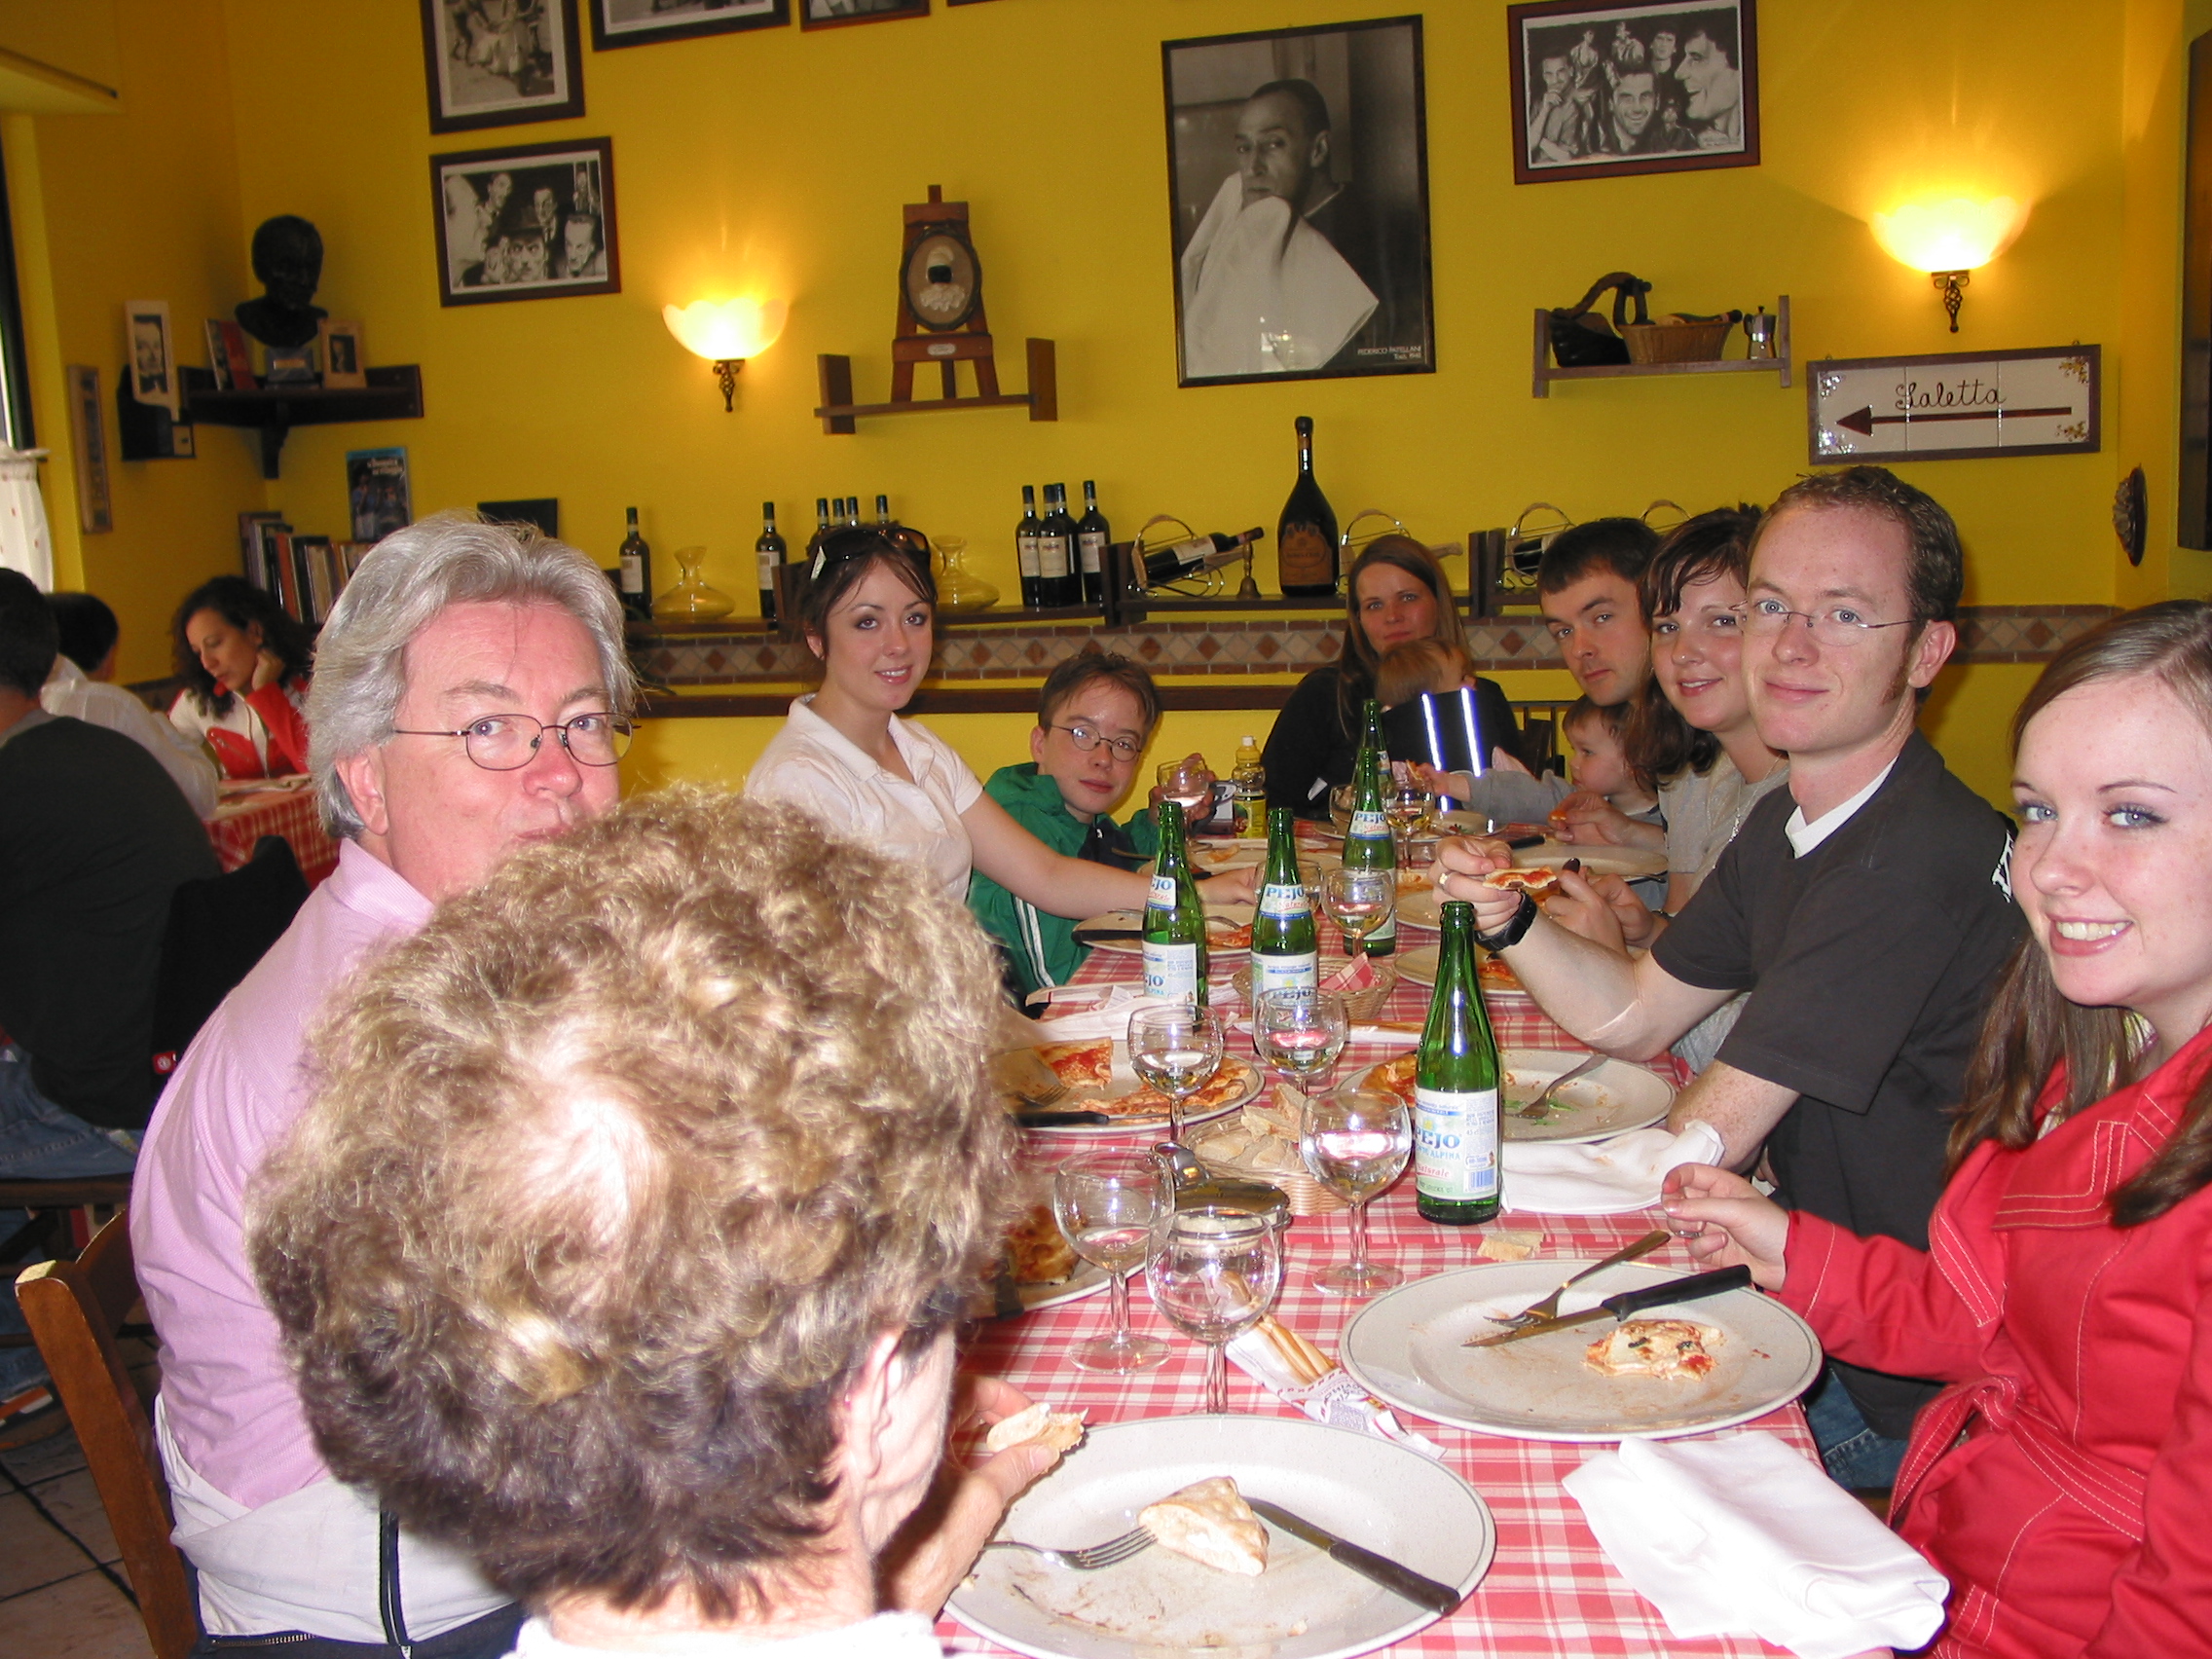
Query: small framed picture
(641, 22)
(834, 14)
(530, 223)
(501, 62)
(1608, 88)
(152, 376)
(1297, 202)
(344, 363)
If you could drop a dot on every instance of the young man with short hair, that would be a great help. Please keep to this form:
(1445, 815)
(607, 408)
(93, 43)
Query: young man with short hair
(1866, 908)
(1095, 717)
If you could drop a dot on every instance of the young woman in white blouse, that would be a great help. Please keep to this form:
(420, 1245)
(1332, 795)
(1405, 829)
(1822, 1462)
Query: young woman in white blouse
(844, 755)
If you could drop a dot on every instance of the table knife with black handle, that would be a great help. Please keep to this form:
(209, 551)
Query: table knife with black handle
(1629, 1301)
(1400, 1580)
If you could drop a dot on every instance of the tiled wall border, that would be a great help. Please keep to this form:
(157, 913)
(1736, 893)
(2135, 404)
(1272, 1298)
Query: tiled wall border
(975, 654)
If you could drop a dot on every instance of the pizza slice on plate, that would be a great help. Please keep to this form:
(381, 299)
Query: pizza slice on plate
(1081, 1065)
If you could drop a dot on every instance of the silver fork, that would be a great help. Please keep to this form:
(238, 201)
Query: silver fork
(1090, 1560)
(1548, 1309)
(1535, 1110)
(1037, 1096)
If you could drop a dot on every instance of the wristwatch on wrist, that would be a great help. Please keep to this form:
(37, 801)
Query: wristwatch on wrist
(1511, 934)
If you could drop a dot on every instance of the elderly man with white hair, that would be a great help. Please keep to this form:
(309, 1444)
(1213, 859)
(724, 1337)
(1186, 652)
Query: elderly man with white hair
(471, 696)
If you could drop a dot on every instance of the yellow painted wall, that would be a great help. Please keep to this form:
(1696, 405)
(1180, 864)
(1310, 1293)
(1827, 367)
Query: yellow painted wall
(775, 161)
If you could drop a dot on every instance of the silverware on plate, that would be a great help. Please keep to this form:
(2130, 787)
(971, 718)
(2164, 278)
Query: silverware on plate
(1381, 1569)
(1134, 1541)
(1620, 1307)
(1548, 1308)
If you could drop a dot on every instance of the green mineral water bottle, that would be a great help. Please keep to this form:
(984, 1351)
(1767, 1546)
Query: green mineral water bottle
(1455, 1089)
(1174, 920)
(1285, 949)
(1368, 841)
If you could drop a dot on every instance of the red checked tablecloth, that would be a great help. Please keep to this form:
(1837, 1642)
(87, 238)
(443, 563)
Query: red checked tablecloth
(1550, 1593)
(242, 819)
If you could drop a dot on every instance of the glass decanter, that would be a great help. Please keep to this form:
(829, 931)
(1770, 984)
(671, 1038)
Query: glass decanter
(692, 599)
(956, 589)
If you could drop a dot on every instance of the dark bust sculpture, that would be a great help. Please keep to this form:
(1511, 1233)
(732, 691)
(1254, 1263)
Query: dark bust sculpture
(287, 257)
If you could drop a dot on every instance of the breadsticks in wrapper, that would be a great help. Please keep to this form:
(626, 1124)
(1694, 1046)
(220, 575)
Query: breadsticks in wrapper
(1293, 1369)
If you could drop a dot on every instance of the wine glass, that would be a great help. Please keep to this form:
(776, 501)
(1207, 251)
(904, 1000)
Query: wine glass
(1114, 1206)
(1407, 807)
(1178, 1050)
(1214, 1279)
(1357, 1141)
(1301, 1033)
(1358, 900)
(1188, 782)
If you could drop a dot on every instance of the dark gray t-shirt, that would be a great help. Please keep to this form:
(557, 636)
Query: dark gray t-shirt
(1870, 961)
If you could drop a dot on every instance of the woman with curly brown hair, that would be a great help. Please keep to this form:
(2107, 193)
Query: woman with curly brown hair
(245, 663)
(622, 1243)
(2066, 1296)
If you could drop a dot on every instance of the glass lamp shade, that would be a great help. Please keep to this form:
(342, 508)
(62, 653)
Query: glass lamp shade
(726, 330)
(1961, 234)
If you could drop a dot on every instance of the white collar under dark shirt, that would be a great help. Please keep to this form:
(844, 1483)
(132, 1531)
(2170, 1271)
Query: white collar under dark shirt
(1804, 836)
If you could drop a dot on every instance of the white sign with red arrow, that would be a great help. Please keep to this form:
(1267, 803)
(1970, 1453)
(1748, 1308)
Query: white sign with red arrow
(1955, 405)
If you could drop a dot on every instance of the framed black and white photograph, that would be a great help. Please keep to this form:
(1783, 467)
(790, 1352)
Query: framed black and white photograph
(639, 23)
(829, 14)
(153, 356)
(501, 62)
(345, 360)
(530, 223)
(1610, 88)
(1297, 183)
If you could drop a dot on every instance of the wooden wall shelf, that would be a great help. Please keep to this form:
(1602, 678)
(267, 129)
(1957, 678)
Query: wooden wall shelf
(1546, 371)
(395, 392)
(839, 412)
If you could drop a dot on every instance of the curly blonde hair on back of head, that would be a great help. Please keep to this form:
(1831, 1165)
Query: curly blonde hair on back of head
(613, 1174)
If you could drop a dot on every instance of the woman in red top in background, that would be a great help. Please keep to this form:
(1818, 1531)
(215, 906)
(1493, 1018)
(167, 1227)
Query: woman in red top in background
(2062, 1480)
(245, 664)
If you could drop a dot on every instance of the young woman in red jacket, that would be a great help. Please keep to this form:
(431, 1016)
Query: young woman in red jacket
(2061, 1479)
(245, 664)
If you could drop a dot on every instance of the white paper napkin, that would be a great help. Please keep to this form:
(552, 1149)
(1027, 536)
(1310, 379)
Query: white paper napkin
(1107, 1016)
(1743, 1535)
(1602, 1177)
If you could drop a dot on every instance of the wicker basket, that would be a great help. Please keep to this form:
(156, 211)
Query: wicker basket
(1359, 1006)
(1675, 342)
(1307, 1196)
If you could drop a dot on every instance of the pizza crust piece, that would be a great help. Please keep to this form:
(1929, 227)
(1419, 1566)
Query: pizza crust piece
(1665, 1349)
(1210, 1523)
(1060, 1430)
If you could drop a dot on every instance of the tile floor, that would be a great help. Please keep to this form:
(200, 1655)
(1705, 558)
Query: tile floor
(63, 1594)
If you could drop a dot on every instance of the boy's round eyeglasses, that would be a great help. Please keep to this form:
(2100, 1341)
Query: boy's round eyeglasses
(1088, 738)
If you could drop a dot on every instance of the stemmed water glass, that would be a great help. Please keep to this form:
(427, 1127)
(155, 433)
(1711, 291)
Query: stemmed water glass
(1357, 1141)
(1178, 1050)
(1358, 900)
(1114, 1206)
(1301, 1033)
(1214, 1279)
(1406, 808)
(1189, 783)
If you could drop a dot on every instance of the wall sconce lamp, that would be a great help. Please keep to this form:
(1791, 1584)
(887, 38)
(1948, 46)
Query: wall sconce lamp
(726, 332)
(1949, 240)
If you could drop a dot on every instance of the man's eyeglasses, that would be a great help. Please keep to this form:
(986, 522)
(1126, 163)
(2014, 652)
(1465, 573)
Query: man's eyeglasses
(1839, 625)
(1089, 737)
(507, 743)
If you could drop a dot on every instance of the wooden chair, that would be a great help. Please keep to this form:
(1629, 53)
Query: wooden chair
(74, 1310)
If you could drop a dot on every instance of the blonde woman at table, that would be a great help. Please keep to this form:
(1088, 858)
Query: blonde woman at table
(844, 755)
(245, 664)
(2059, 1481)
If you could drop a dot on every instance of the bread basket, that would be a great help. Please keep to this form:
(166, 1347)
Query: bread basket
(1226, 1148)
(1360, 1007)
(1677, 339)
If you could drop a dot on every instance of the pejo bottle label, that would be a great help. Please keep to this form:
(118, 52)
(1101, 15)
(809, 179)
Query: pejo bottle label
(1171, 971)
(1298, 972)
(1368, 827)
(1455, 1144)
(1281, 900)
(1162, 894)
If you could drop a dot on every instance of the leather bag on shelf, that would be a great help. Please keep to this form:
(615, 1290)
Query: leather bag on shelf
(1582, 339)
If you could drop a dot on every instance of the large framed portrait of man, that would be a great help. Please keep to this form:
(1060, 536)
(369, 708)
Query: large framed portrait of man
(501, 62)
(533, 222)
(1297, 183)
(1600, 89)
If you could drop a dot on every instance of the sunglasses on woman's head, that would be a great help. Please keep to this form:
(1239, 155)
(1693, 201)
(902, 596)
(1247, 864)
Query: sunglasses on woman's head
(855, 543)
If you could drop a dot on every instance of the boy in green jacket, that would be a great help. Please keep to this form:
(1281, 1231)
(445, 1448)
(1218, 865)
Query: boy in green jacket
(1093, 719)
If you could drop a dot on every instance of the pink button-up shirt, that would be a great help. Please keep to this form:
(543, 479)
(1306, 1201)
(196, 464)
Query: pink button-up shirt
(228, 1396)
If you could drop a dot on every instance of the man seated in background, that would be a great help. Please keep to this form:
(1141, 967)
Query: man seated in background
(1866, 908)
(95, 839)
(82, 687)
(471, 695)
(1095, 717)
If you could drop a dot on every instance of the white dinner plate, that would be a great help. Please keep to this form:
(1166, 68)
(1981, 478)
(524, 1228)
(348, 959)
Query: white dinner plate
(1419, 966)
(1156, 1604)
(1218, 918)
(1085, 1281)
(1125, 1080)
(1631, 861)
(1618, 1096)
(1407, 1347)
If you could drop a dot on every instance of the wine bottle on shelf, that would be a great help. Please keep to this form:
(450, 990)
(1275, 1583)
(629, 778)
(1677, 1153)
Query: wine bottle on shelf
(1059, 581)
(1285, 949)
(1306, 537)
(1174, 920)
(883, 520)
(1025, 535)
(1368, 842)
(1455, 1089)
(636, 572)
(768, 553)
(1091, 534)
(1200, 553)
(852, 512)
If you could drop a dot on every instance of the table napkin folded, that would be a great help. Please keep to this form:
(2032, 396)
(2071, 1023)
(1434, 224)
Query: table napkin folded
(1745, 1535)
(1603, 1177)
(1108, 1015)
